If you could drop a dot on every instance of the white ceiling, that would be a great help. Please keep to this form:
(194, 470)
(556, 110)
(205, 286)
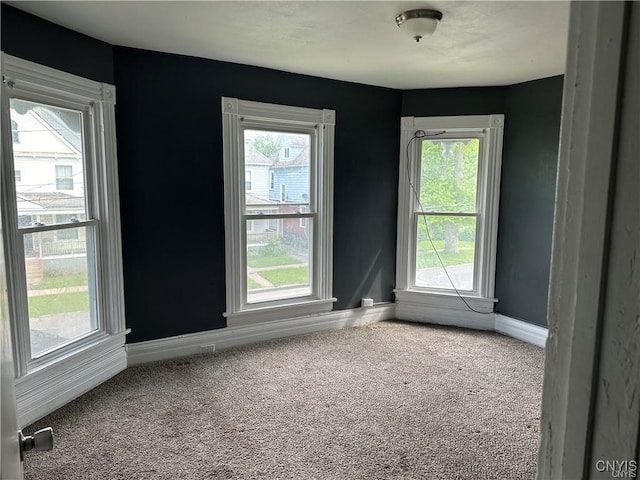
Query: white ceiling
(478, 43)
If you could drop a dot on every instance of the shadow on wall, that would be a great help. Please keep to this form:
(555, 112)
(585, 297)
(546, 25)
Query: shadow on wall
(372, 275)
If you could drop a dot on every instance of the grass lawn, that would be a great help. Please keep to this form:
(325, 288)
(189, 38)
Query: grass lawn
(259, 261)
(427, 258)
(287, 276)
(58, 303)
(252, 284)
(425, 245)
(61, 281)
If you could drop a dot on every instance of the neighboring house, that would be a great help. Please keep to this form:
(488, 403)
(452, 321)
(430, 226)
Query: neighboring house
(279, 184)
(256, 171)
(260, 232)
(289, 181)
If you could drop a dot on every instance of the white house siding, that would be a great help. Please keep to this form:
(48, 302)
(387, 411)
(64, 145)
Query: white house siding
(259, 180)
(36, 155)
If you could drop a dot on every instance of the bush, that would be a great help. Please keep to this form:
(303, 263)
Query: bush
(273, 249)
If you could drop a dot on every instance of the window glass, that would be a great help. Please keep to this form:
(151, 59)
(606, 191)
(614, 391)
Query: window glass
(278, 259)
(448, 175)
(445, 243)
(58, 293)
(280, 165)
(59, 273)
(50, 156)
(452, 240)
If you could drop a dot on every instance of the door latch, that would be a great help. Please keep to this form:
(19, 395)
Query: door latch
(40, 441)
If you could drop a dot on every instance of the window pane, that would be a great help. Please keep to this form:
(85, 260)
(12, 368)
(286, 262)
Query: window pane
(277, 171)
(454, 238)
(278, 259)
(57, 273)
(48, 153)
(448, 177)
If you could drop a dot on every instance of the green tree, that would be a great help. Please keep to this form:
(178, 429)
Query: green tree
(266, 145)
(448, 185)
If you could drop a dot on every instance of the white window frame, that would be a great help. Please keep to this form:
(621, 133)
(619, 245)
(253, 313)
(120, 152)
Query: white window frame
(49, 381)
(272, 180)
(489, 130)
(238, 115)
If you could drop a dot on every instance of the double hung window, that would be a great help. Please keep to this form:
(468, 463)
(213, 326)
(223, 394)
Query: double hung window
(279, 232)
(447, 222)
(62, 232)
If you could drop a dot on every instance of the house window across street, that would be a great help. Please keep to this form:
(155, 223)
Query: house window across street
(248, 176)
(64, 177)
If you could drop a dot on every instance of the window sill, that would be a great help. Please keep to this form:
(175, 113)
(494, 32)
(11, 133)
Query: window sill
(444, 300)
(51, 386)
(260, 315)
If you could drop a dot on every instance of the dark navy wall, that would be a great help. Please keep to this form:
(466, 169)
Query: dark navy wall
(453, 101)
(171, 189)
(32, 38)
(527, 198)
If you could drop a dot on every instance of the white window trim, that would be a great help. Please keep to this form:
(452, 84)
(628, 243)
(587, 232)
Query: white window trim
(490, 127)
(234, 112)
(58, 376)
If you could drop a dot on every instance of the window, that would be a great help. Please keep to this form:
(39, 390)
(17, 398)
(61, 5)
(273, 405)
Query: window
(62, 243)
(15, 133)
(275, 269)
(64, 177)
(286, 153)
(247, 180)
(447, 213)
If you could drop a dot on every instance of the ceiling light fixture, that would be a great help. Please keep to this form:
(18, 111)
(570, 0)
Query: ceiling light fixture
(419, 23)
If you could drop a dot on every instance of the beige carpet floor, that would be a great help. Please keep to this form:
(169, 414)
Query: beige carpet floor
(388, 400)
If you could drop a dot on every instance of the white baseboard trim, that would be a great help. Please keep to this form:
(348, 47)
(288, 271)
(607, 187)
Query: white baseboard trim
(444, 316)
(41, 392)
(224, 338)
(527, 332)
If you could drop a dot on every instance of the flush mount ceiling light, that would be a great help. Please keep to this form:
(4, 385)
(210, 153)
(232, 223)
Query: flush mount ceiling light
(419, 23)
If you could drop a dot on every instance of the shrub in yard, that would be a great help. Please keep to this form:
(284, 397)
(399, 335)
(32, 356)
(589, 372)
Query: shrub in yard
(274, 248)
